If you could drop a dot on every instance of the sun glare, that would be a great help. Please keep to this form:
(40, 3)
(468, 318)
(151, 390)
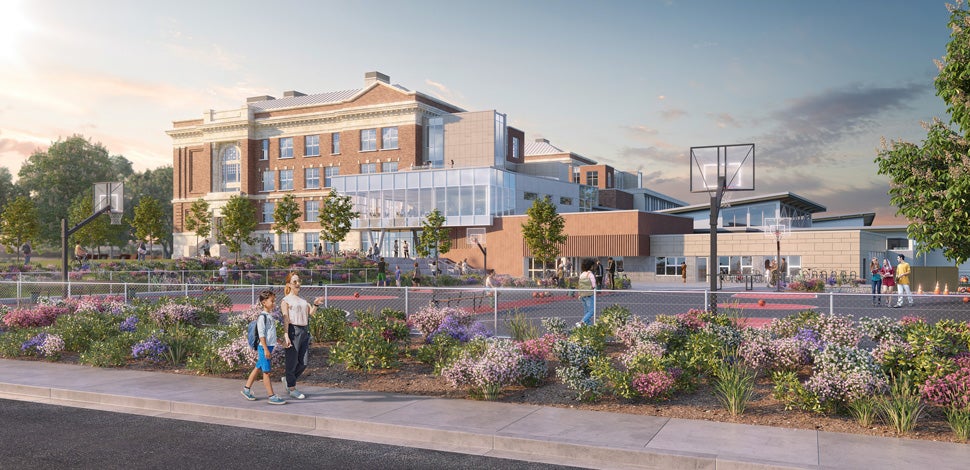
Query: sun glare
(15, 24)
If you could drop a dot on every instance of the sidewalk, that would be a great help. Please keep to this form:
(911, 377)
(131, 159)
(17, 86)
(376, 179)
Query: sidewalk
(522, 432)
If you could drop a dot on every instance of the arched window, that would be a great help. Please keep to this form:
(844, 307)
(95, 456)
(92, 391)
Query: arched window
(230, 168)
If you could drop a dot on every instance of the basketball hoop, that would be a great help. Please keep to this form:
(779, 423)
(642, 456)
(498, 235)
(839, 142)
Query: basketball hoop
(115, 217)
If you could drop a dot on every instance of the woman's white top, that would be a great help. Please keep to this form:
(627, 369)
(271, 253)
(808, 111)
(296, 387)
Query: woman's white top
(299, 310)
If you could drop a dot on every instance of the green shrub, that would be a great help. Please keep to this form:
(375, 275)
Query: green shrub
(81, 329)
(617, 381)
(521, 327)
(376, 341)
(790, 391)
(902, 408)
(439, 352)
(113, 352)
(12, 340)
(328, 324)
(734, 386)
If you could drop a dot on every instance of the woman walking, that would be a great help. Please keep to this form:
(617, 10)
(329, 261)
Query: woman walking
(296, 337)
(888, 279)
(876, 279)
(587, 284)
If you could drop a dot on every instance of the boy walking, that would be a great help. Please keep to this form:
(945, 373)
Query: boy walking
(266, 328)
(902, 280)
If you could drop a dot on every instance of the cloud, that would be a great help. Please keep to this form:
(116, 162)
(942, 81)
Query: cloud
(654, 154)
(723, 120)
(807, 127)
(641, 132)
(672, 114)
(446, 94)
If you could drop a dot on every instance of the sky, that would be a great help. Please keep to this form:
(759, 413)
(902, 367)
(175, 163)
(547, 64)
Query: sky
(815, 85)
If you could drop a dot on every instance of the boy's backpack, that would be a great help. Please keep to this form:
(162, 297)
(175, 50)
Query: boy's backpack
(252, 333)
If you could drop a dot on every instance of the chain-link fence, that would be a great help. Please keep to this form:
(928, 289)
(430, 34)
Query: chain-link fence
(498, 307)
(234, 275)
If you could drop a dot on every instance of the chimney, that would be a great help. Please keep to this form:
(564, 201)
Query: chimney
(257, 99)
(292, 93)
(371, 77)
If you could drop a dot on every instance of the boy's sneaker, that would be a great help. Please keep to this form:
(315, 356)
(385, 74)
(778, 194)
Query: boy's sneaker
(248, 394)
(297, 394)
(276, 400)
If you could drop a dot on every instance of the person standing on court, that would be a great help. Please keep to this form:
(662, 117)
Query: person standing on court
(902, 280)
(683, 271)
(875, 277)
(382, 273)
(296, 336)
(407, 251)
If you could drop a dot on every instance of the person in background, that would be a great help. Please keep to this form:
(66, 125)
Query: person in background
(902, 280)
(27, 251)
(875, 277)
(407, 250)
(142, 251)
(611, 272)
(382, 273)
(416, 274)
(585, 290)
(598, 273)
(683, 271)
(80, 254)
(266, 328)
(397, 275)
(224, 271)
(205, 249)
(888, 280)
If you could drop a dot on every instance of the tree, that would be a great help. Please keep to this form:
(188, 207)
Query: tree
(149, 222)
(18, 224)
(336, 216)
(543, 230)
(8, 190)
(158, 184)
(238, 223)
(198, 219)
(434, 236)
(99, 231)
(286, 215)
(55, 176)
(930, 183)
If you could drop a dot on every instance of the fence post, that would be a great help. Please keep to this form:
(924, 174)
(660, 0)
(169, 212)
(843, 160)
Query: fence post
(406, 306)
(831, 303)
(495, 309)
(326, 296)
(252, 294)
(126, 292)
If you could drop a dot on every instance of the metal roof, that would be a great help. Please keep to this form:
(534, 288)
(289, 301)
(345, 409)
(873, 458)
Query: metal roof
(790, 199)
(541, 148)
(329, 97)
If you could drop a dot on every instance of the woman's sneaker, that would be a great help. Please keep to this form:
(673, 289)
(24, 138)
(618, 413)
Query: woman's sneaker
(276, 400)
(297, 394)
(248, 394)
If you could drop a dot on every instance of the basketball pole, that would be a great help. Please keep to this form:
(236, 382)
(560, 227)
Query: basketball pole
(715, 271)
(65, 233)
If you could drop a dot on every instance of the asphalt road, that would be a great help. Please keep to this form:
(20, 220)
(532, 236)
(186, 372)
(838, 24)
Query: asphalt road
(45, 436)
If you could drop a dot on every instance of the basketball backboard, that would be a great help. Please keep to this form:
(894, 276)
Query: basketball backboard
(109, 194)
(733, 162)
(777, 227)
(475, 236)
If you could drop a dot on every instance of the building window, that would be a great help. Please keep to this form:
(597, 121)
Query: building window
(269, 180)
(311, 178)
(328, 173)
(368, 168)
(576, 175)
(286, 242)
(515, 148)
(335, 143)
(389, 167)
(669, 265)
(286, 147)
(593, 178)
(230, 168)
(530, 196)
(311, 145)
(286, 180)
(311, 211)
(268, 208)
(264, 150)
(389, 138)
(368, 140)
(609, 180)
(311, 242)
(897, 243)
(565, 201)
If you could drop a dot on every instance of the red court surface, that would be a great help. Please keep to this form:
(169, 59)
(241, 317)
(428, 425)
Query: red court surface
(363, 297)
(768, 306)
(776, 295)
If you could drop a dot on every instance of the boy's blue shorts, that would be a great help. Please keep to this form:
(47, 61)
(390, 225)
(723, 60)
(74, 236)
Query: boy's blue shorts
(262, 363)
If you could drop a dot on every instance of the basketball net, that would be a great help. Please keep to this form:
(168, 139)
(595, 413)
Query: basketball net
(115, 217)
